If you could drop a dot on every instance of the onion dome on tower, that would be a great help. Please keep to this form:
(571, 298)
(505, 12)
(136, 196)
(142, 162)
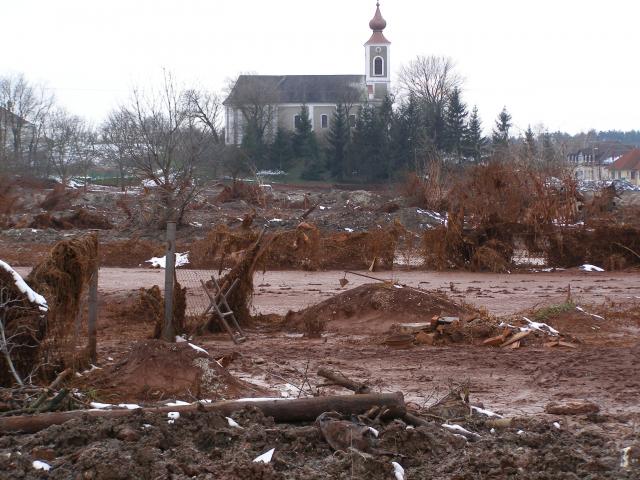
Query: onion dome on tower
(378, 24)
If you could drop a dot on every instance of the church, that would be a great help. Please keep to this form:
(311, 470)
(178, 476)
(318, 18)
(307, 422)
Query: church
(276, 100)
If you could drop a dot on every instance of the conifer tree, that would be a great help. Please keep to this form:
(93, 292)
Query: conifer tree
(455, 123)
(474, 142)
(305, 147)
(500, 135)
(281, 151)
(530, 147)
(338, 141)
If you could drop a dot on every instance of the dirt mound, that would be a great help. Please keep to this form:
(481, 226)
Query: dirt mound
(249, 192)
(156, 370)
(81, 219)
(59, 198)
(204, 445)
(129, 253)
(374, 308)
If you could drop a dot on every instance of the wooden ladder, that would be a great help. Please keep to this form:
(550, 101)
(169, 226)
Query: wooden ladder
(219, 305)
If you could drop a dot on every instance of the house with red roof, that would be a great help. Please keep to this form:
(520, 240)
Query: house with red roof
(627, 167)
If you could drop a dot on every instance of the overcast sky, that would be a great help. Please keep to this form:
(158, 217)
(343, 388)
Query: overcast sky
(570, 65)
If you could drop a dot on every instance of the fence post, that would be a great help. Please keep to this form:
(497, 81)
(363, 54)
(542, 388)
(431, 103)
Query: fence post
(170, 264)
(93, 311)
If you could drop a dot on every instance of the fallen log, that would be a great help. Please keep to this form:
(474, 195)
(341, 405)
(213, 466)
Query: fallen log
(340, 379)
(281, 409)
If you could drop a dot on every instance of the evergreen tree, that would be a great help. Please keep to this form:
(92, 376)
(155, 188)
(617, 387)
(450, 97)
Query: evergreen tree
(281, 152)
(500, 135)
(474, 142)
(455, 123)
(407, 136)
(305, 147)
(338, 141)
(367, 152)
(530, 147)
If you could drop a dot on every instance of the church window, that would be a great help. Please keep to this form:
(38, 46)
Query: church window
(296, 121)
(324, 121)
(378, 66)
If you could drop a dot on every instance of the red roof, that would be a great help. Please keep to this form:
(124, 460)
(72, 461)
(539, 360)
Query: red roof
(629, 161)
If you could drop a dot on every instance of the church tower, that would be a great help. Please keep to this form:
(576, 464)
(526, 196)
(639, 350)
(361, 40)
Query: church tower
(377, 55)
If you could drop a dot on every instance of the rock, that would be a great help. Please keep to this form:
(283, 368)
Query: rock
(43, 453)
(572, 407)
(128, 434)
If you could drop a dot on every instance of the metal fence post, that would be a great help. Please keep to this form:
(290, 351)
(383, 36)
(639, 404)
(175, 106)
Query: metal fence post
(170, 263)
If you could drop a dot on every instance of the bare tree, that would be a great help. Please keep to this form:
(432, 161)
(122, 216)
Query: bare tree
(65, 134)
(115, 144)
(166, 143)
(256, 97)
(430, 79)
(22, 121)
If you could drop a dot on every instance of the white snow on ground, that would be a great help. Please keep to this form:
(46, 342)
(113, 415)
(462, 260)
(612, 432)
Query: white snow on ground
(129, 406)
(457, 428)
(350, 230)
(40, 465)
(374, 431)
(542, 327)
(398, 471)
(442, 219)
(24, 288)
(580, 309)
(173, 416)
(161, 262)
(232, 422)
(590, 268)
(488, 413)
(265, 457)
(177, 403)
(198, 349)
(100, 405)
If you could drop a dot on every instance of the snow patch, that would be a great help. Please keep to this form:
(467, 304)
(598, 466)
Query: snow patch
(40, 465)
(161, 262)
(590, 268)
(21, 285)
(232, 422)
(398, 471)
(198, 349)
(265, 457)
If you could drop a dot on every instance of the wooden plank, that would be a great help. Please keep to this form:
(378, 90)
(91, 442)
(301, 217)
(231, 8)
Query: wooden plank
(515, 338)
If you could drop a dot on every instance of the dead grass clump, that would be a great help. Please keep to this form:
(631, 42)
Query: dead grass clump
(249, 192)
(361, 249)
(496, 207)
(61, 278)
(428, 191)
(129, 253)
(9, 201)
(46, 220)
(81, 218)
(59, 198)
(23, 326)
(299, 248)
(240, 298)
(611, 246)
(218, 247)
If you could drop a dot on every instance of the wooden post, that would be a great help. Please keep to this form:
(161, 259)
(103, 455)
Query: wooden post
(93, 315)
(170, 265)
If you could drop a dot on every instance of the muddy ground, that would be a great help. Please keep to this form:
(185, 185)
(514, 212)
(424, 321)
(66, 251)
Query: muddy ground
(276, 360)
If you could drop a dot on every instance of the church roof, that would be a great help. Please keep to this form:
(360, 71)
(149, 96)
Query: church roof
(296, 88)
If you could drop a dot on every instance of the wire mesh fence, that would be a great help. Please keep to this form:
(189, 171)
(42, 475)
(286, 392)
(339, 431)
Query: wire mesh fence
(197, 299)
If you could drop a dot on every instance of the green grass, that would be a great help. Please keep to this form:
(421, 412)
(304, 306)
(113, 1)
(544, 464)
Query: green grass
(553, 311)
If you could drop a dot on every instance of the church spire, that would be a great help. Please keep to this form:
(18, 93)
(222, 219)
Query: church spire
(377, 24)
